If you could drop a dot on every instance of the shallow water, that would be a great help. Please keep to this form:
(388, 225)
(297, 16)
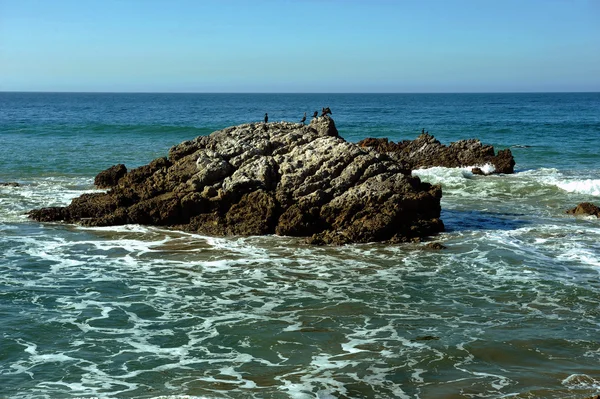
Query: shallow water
(510, 309)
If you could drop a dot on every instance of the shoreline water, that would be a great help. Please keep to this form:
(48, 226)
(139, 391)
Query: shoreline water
(509, 309)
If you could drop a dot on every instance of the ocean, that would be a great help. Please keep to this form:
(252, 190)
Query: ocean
(511, 309)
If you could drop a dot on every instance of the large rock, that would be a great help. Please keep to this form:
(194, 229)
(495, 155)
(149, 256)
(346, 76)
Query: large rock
(277, 178)
(425, 151)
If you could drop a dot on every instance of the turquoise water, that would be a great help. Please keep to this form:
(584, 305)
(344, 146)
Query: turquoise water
(510, 309)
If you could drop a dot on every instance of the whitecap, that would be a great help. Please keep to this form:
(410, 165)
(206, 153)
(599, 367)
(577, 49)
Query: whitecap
(581, 381)
(587, 186)
(581, 183)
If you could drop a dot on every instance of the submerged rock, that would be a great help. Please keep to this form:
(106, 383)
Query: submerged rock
(585, 208)
(435, 246)
(277, 178)
(9, 184)
(425, 151)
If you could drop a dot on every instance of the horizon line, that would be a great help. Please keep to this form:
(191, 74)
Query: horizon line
(294, 92)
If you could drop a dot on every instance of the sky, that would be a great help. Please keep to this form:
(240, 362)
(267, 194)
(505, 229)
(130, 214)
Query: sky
(287, 46)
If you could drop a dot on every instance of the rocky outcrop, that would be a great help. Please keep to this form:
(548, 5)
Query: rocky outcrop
(425, 151)
(585, 209)
(111, 176)
(277, 178)
(9, 184)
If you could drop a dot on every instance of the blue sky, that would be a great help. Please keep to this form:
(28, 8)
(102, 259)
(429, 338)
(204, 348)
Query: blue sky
(300, 45)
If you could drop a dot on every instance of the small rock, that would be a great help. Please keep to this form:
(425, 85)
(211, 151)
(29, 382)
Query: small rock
(435, 246)
(10, 184)
(585, 208)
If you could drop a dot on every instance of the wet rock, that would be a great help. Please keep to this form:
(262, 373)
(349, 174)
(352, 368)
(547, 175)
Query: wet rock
(585, 208)
(435, 246)
(9, 184)
(50, 214)
(425, 151)
(254, 179)
(111, 176)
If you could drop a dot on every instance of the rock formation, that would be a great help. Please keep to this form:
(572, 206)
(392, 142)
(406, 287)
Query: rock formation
(585, 208)
(277, 178)
(110, 177)
(425, 151)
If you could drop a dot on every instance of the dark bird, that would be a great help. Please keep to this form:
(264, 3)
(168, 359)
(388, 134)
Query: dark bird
(316, 114)
(423, 131)
(325, 111)
(303, 119)
(266, 117)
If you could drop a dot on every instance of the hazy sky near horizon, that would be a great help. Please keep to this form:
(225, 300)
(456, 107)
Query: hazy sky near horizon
(300, 45)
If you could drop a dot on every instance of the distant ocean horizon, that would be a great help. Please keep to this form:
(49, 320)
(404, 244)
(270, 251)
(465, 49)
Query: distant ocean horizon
(510, 309)
(296, 92)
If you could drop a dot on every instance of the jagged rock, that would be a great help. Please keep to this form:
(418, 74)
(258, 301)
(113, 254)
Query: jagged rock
(9, 184)
(111, 176)
(425, 151)
(277, 178)
(585, 208)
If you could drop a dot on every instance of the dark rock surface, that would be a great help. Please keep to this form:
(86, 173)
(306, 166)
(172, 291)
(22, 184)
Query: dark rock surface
(585, 208)
(425, 151)
(111, 176)
(435, 246)
(9, 184)
(277, 178)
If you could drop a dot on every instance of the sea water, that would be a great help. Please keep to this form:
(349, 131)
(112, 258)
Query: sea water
(510, 309)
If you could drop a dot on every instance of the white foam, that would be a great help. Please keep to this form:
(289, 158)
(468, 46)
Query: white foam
(51, 358)
(225, 285)
(581, 381)
(39, 193)
(588, 186)
(438, 174)
(575, 182)
(444, 172)
(487, 169)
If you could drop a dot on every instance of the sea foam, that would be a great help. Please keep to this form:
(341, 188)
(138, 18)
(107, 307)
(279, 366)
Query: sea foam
(588, 186)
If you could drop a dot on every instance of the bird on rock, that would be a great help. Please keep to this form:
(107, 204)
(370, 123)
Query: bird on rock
(325, 111)
(316, 114)
(303, 119)
(266, 117)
